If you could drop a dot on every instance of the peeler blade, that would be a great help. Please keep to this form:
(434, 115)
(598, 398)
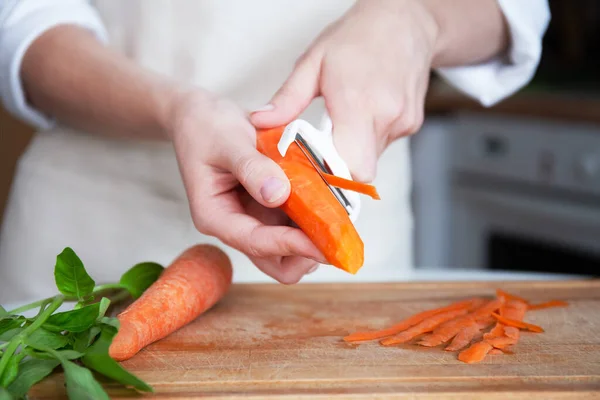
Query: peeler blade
(320, 167)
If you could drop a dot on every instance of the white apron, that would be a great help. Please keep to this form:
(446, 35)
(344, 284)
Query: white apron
(118, 202)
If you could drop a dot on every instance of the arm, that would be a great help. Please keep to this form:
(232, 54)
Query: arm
(492, 79)
(468, 31)
(374, 81)
(73, 78)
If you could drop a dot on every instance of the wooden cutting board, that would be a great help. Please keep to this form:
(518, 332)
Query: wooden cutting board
(275, 341)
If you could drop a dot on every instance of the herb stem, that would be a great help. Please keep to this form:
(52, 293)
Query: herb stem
(108, 286)
(38, 303)
(13, 345)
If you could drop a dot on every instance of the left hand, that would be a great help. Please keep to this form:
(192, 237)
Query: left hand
(372, 68)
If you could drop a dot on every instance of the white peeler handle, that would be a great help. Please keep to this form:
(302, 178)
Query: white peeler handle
(321, 141)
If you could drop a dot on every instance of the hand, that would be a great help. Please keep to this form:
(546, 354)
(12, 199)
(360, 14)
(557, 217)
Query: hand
(216, 151)
(372, 69)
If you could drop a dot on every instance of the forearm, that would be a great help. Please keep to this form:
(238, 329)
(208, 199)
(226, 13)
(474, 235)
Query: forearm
(468, 31)
(70, 76)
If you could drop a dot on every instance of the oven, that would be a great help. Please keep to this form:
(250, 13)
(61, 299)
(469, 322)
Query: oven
(524, 195)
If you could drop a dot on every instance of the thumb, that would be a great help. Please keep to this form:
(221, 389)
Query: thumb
(293, 97)
(262, 178)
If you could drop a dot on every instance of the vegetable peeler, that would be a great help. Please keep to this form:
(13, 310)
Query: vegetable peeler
(317, 146)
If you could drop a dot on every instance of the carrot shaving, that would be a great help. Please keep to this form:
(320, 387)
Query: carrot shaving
(424, 326)
(461, 326)
(475, 353)
(409, 322)
(354, 186)
(518, 324)
(508, 296)
(548, 304)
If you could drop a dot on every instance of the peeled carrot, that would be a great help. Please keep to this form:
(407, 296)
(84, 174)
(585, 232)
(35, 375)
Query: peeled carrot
(354, 186)
(475, 353)
(407, 323)
(192, 284)
(518, 324)
(495, 352)
(313, 207)
(424, 326)
(548, 304)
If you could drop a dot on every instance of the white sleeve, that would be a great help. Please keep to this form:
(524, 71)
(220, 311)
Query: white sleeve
(21, 22)
(493, 81)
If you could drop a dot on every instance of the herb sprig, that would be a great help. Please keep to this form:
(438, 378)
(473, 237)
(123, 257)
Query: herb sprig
(77, 340)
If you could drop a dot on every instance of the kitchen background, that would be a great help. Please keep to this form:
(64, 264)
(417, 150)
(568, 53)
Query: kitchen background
(512, 187)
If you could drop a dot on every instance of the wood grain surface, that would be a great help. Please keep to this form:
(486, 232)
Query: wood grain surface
(284, 342)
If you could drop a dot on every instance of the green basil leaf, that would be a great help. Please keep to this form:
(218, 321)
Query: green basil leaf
(97, 358)
(140, 277)
(10, 323)
(104, 304)
(8, 335)
(81, 384)
(75, 320)
(63, 354)
(31, 372)
(43, 337)
(5, 394)
(83, 340)
(71, 277)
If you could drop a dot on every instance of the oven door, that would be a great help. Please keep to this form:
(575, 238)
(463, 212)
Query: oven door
(506, 230)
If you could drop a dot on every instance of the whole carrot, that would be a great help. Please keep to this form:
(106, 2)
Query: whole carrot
(192, 284)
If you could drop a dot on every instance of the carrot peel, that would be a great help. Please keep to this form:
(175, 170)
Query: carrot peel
(409, 322)
(518, 324)
(354, 186)
(548, 304)
(462, 323)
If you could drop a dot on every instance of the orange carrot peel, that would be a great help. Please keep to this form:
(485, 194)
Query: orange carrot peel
(460, 325)
(354, 186)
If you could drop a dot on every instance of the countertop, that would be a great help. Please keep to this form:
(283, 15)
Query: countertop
(562, 106)
(418, 275)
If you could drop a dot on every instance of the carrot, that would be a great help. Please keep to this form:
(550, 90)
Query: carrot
(449, 329)
(358, 187)
(427, 325)
(462, 323)
(475, 353)
(501, 342)
(514, 310)
(193, 283)
(497, 331)
(548, 304)
(518, 324)
(508, 296)
(463, 338)
(313, 207)
(407, 323)
(495, 352)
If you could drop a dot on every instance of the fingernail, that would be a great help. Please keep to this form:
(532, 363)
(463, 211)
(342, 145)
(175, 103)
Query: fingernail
(268, 107)
(272, 190)
(313, 269)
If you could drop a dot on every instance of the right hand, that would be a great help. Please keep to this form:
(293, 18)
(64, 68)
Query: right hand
(215, 144)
